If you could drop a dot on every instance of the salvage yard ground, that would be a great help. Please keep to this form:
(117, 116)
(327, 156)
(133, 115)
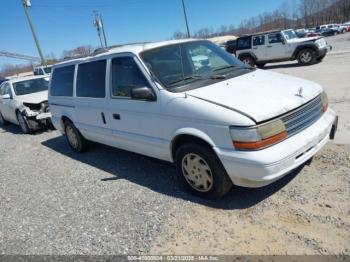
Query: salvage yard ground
(109, 201)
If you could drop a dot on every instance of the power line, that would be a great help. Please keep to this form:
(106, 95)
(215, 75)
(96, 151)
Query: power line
(92, 5)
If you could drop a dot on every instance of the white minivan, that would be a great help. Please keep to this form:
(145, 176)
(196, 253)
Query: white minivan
(222, 123)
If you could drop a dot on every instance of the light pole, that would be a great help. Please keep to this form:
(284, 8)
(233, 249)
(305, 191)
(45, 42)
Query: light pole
(26, 5)
(98, 23)
(184, 9)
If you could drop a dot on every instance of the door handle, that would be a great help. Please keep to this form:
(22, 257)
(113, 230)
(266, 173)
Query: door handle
(103, 118)
(116, 116)
(269, 46)
(255, 48)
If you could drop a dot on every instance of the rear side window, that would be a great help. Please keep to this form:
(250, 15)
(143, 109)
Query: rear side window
(126, 75)
(62, 81)
(91, 79)
(244, 43)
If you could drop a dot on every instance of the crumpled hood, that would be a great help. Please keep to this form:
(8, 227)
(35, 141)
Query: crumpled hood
(260, 94)
(34, 98)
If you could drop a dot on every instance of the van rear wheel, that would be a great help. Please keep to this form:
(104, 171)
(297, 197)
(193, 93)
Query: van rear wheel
(200, 171)
(74, 138)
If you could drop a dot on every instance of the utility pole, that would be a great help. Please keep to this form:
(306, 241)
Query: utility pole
(98, 23)
(184, 9)
(26, 5)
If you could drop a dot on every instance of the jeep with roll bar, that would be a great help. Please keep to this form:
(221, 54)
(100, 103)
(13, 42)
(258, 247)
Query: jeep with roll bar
(280, 45)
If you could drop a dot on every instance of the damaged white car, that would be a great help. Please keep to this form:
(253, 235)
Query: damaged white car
(23, 101)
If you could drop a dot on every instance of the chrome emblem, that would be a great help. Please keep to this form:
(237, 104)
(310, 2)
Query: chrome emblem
(300, 92)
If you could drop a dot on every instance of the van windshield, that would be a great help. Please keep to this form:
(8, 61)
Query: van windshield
(30, 86)
(192, 64)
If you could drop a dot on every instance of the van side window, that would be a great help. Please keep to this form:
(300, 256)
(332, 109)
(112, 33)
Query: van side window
(62, 81)
(259, 40)
(91, 79)
(126, 75)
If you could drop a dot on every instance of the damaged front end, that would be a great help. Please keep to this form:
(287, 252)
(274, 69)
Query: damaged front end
(36, 115)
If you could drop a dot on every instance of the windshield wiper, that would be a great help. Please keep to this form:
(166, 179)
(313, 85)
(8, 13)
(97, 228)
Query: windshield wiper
(225, 67)
(234, 67)
(184, 79)
(217, 77)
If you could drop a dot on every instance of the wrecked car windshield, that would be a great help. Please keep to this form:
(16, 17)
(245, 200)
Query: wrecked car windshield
(30, 86)
(198, 62)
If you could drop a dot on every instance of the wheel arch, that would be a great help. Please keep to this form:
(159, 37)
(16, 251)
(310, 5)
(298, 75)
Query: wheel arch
(187, 135)
(63, 119)
(302, 47)
(241, 55)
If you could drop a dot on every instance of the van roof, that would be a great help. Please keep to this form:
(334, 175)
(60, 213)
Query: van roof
(135, 48)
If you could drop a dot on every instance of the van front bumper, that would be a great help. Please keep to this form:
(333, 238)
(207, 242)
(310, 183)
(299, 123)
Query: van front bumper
(262, 167)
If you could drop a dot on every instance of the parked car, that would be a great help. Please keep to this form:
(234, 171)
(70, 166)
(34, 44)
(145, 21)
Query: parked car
(327, 31)
(301, 33)
(223, 124)
(231, 46)
(347, 26)
(42, 70)
(276, 46)
(23, 101)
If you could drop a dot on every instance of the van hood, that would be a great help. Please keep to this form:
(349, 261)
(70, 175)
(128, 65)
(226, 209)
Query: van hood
(260, 95)
(34, 98)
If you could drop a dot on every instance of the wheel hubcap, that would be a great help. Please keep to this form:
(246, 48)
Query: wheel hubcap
(306, 57)
(72, 138)
(247, 62)
(197, 172)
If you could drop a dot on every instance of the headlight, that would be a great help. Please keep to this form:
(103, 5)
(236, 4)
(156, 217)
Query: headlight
(258, 137)
(324, 99)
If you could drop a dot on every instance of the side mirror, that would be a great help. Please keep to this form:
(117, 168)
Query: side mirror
(283, 41)
(6, 96)
(143, 93)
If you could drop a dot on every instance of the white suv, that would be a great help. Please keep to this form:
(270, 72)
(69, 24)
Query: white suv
(278, 46)
(221, 122)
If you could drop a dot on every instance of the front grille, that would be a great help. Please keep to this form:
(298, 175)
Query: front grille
(303, 117)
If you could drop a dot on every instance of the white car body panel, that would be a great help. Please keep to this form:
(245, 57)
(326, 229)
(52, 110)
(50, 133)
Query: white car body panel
(150, 127)
(237, 93)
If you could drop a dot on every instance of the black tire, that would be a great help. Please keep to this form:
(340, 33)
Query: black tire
(248, 60)
(74, 138)
(22, 121)
(260, 65)
(2, 120)
(306, 57)
(319, 59)
(220, 182)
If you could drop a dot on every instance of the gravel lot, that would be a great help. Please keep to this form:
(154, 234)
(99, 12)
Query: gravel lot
(108, 201)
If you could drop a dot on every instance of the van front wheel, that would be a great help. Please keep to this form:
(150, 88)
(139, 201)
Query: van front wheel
(75, 140)
(201, 172)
